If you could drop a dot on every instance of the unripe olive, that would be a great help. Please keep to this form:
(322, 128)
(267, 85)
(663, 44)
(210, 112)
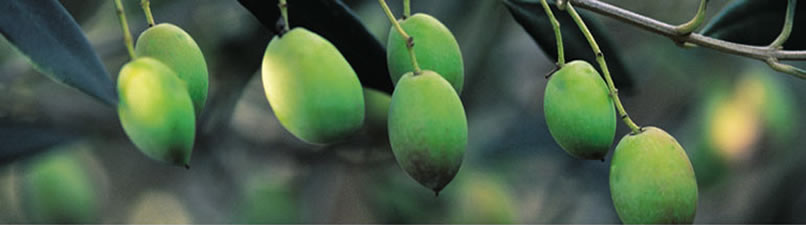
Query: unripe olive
(175, 48)
(377, 110)
(651, 179)
(434, 46)
(311, 88)
(427, 129)
(58, 189)
(371, 143)
(579, 111)
(156, 111)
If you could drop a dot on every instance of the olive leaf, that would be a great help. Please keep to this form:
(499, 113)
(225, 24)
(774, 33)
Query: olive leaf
(532, 17)
(756, 22)
(334, 21)
(20, 139)
(51, 39)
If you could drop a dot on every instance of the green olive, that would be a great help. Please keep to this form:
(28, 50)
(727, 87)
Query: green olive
(651, 179)
(175, 48)
(58, 189)
(434, 46)
(427, 129)
(156, 111)
(579, 111)
(311, 88)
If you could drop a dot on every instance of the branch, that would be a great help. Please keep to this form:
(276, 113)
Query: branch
(762, 53)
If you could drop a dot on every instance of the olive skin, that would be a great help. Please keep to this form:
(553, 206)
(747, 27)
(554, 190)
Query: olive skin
(311, 88)
(156, 111)
(377, 110)
(434, 46)
(58, 189)
(651, 179)
(427, 129)
(579, 111)
(176, 48)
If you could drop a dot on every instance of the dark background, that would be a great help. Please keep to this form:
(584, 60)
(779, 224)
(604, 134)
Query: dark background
(513, 171)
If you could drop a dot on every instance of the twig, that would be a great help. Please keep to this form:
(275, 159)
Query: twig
(409, 39)
(124, 25)
(146, 5)
(603, 65)
(694, 23)
(557, 34)
(763, 53)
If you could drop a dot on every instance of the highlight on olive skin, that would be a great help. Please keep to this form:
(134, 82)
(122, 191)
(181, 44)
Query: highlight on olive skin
(579, 111)
(427, 129)
(652, 180)
(156, 111)
(175, 48)
(313, 91)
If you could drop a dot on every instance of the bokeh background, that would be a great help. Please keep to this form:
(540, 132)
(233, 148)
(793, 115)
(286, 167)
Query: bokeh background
(740, 122)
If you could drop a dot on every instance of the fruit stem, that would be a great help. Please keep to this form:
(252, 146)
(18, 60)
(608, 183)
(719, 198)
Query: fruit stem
(406, 9)
(284, 11)
(694, 23)
(146, 4)
(124, 25)
(557, 34)
(601, 60)
(409, 39)
(784, 35)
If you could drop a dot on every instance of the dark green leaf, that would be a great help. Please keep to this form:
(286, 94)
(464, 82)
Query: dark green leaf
(532, 17)
(756, 22)
(45, 33)
(20, 139)
(338, 24)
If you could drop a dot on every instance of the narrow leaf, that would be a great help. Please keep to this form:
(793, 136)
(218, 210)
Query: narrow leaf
(48, 36)
(338, 24)
(755, 22)
(532, 17)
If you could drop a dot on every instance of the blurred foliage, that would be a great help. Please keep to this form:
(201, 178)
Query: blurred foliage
(513, 171)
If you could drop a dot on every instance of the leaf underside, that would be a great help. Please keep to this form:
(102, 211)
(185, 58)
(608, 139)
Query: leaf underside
(53, 42)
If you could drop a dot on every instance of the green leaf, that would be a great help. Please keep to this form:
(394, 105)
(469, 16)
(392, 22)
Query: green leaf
(532, 17)
(756, 22)
(48, 36)
(339, 25)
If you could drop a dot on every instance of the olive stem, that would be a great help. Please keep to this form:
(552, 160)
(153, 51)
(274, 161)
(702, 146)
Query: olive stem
(600, 58)
(406, 9)
(557, 34)
(787, 30)
(694, 23)
(146, 4)
(283, 5)
(409, 39)
(124, 25)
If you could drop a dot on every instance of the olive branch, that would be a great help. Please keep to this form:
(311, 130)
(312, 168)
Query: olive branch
(771, 54)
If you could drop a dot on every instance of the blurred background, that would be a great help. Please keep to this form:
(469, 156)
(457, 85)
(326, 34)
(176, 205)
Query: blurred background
(739, 121)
